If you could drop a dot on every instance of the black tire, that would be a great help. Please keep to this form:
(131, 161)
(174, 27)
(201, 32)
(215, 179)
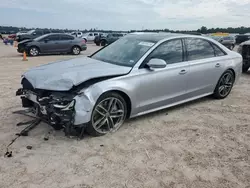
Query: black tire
(245, 69)
(103, 42)
(97, 43)
(90, 129)
(232, 47)
(76, 50)
(217, 93)
(33, 51)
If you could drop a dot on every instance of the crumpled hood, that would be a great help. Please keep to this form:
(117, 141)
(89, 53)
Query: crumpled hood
(63, 75)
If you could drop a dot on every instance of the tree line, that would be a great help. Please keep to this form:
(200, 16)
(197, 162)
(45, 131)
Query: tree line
(203, 30)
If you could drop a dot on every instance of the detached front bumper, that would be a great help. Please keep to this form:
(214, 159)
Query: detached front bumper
(57, 109)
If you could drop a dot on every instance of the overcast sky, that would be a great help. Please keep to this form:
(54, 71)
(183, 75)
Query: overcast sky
(125, 14)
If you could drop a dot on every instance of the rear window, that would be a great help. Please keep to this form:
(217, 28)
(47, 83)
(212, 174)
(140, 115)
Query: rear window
(218, 51)
(199, 49)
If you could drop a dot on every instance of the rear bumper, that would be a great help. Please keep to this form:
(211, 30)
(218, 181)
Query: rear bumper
(83, 48)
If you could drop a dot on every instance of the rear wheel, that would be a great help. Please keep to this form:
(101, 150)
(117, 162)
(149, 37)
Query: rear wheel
(108, 114)
(76, 50)
(245, 68)
(224, 85)
(33, 51)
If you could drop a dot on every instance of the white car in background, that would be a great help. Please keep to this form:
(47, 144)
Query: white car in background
(77, 34)
(89, 36)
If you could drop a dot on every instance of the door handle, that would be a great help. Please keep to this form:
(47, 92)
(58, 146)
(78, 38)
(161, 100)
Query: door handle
(217, 65)
(183, 71)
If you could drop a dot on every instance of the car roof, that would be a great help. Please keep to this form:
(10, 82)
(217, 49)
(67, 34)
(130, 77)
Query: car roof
(156, 37)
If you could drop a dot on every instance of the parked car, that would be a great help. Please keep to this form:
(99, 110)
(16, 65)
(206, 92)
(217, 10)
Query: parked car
(12, 36)
(77, 34)
(32, 34)
(242, 38)
(244, 50)
(89, 36)
(99, 38)
(228, 41)
(52, 43)
(136, 75)
(110, 38)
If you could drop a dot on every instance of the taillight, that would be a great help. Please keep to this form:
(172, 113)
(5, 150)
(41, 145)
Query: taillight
(83, 42)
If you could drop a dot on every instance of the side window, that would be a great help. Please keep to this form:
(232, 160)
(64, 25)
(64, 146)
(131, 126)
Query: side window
(66, 37)
(218, 51)
(170, 51)
(53, 37)
(199, 49)
(46, 32)
(91, 34)
(39, 32)
(95, 34)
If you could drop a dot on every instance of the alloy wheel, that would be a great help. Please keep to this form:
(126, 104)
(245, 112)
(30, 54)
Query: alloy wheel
(108, 115)
(226, 84)
(76, 50)
(34, 51)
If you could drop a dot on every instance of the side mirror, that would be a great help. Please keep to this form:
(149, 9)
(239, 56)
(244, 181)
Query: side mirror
(46, 40)
(156, 63)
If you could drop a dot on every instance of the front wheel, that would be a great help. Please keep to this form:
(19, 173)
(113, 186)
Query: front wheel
(108, 115)
(103, 43)
(33, 51)
(224, 85)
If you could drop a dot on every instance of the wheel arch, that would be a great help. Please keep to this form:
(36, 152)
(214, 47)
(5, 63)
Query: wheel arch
(231, 69)
(125, 97)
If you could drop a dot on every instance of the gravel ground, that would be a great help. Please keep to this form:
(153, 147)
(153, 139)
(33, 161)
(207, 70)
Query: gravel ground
(205, 143)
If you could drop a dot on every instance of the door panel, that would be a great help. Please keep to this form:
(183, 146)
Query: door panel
(162, 87)
(65, 43)
(203, 76)
(205, 67)
(50, 44)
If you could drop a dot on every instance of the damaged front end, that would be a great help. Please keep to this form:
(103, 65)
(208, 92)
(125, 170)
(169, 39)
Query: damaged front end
(56, 108)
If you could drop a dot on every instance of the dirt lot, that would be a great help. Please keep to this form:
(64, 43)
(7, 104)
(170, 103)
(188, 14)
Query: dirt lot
(205, 143)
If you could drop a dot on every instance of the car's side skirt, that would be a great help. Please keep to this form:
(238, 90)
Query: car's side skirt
(171, 105)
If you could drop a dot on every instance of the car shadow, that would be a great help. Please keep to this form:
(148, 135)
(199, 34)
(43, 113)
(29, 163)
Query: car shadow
(247, 73)
(165, 111)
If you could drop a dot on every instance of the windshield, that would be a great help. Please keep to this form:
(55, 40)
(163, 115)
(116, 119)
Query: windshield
(30, 32)
(124, 52)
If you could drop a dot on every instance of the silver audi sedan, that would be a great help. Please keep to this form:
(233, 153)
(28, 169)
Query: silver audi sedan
(138, 74)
